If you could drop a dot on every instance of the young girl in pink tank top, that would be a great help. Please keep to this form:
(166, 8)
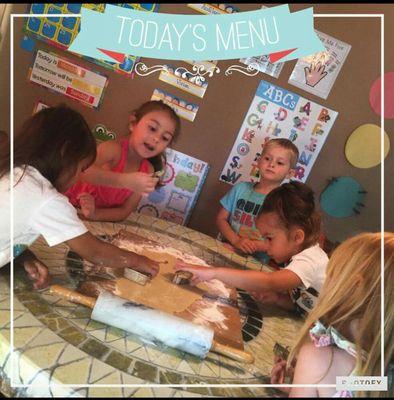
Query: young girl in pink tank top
(112, 187)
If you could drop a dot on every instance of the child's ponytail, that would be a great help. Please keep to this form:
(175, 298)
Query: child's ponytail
(294, 203)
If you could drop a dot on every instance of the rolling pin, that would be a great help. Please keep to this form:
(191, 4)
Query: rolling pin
(153, 325)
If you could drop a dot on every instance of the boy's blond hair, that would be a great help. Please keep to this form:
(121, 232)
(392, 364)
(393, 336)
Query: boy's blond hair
(286, 144)
(352, 291)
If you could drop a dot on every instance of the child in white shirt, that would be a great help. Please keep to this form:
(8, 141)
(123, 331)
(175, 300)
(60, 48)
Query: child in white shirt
(54, 146)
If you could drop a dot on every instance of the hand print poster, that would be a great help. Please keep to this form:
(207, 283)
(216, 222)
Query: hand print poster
(317, 73)
(177, 193)
(278, 113)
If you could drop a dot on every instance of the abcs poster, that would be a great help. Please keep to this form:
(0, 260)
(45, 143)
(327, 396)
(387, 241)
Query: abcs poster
(278, 113)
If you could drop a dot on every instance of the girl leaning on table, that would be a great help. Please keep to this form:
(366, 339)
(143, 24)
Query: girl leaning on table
(52, 149)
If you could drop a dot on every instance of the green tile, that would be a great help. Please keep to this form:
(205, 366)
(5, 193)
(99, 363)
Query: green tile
(25, 296)
(54, 322)
(72, 335)
(118, 360)
(80, 312)
(145, 371)
(168, 377)
(38, 308)
(94, 348)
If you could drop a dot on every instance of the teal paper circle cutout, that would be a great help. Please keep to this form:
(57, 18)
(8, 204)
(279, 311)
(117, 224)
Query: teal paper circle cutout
(343, 197)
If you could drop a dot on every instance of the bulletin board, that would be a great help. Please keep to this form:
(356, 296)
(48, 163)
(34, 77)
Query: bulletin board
(210, 137)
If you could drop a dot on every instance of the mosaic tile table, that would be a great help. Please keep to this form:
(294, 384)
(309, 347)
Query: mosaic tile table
(55, 341)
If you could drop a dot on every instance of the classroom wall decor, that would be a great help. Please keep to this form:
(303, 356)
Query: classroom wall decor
(182, 182)
(182, 107)
(207, 8)
(64, 76)
(61, 31)
(317, 73)
(278, 113)
(263, 65)
(183, 79)
(343, 197)
(363, 146)
(102, 133)
(375, 95)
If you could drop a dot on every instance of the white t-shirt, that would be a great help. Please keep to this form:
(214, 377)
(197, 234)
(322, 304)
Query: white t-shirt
(310, 266)
(39, 209)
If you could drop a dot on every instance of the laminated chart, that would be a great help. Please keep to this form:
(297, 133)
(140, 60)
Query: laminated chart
(67, 78)
(278, 113)
(207, 8)
(182, 182)
(182, 107)
(185, 80)
(61, 31)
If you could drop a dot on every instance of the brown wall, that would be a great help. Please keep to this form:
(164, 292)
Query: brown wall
(222, 110)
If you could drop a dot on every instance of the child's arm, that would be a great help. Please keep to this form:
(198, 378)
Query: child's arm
(108, 156)
(224, 226)
(281, 299)
(313, 363)
(244, 244)
(251, 281)
(108, 255)
(114, 214)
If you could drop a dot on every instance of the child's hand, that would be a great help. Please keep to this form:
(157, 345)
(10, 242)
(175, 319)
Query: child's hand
(146, 265)
(141, 182)
(278, 372)
(246, 245)
(200, 274)
(88, 206)
(38, 272)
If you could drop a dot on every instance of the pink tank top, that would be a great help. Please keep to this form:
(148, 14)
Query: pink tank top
(107, 196)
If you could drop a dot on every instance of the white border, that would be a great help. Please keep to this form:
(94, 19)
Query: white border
(185, 386)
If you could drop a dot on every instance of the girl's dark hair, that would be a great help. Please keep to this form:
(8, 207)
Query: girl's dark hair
(158, 161)
(53, 141)
(294, 205)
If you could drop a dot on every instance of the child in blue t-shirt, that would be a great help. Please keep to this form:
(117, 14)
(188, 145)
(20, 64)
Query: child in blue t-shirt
(241, 205)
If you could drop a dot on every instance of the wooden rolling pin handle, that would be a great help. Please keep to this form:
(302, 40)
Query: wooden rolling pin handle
(72, 296)
(234, 354)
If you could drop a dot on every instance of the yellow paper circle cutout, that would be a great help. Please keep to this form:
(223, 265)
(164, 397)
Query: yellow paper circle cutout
(362, 148)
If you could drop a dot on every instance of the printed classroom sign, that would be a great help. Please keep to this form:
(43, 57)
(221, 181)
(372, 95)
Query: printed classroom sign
(263, 65)
(67, 78)
(61, 31)
(317, 73)
(183, 79)
(207, 8)
(278, 113)
(183, 180)
(183, 108)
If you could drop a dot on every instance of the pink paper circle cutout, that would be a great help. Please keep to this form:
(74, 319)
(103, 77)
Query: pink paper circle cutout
(375, 92)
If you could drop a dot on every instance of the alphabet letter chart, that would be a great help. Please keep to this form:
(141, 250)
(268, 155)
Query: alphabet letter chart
(278, 113)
